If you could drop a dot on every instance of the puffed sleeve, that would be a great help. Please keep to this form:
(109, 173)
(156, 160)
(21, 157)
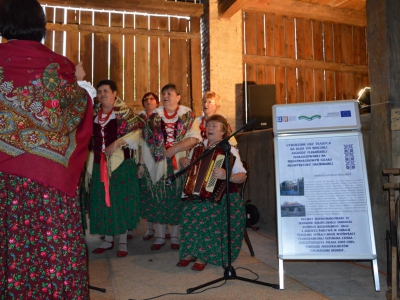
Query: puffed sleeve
(237, 166)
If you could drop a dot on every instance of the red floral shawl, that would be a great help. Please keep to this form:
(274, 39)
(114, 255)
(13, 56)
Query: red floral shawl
(45, 117)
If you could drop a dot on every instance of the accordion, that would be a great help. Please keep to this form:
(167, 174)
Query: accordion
(199, 182)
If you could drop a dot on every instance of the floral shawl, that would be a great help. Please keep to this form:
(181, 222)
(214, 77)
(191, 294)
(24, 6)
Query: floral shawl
(127, 121)
(44, 115)
(38, 118)
(152, 141)
(154, 135)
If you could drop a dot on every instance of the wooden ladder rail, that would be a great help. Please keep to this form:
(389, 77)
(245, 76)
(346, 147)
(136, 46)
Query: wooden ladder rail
(392, 186)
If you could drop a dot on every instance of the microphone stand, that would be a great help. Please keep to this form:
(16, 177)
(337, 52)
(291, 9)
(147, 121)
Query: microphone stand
(229, 272)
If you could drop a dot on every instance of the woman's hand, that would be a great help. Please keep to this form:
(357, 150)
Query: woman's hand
(111, 148)
(140, 171)
(184, 161)
(219, 173)
(171, 151)
(79, 71)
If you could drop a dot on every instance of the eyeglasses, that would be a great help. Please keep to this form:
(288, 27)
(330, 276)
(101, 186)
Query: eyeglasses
(212, 125)
(149, 98)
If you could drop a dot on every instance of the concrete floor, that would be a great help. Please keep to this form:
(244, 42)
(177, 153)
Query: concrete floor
(335, 280)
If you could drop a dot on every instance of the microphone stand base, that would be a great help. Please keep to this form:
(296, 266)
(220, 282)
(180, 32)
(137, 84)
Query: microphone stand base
(230, 274)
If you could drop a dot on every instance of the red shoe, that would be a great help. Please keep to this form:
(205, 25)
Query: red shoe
(167, 235)
(149, 234)
(185, 262)
(174, 246)
(157, 246)
(198, 267)
(122, 253)
(101, 250)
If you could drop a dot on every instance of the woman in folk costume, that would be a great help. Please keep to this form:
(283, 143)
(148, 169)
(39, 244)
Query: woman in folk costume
(168, 133)
(150, 102)
(114, 186)
(45, 127)
(204, 226)
(211, 103)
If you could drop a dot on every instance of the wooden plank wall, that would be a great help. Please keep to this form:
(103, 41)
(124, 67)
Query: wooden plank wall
(138, 63)
(307, 60)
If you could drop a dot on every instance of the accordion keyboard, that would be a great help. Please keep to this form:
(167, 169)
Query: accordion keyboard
(219, 160)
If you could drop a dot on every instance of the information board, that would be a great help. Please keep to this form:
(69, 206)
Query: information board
(323, 202)
(316, 116)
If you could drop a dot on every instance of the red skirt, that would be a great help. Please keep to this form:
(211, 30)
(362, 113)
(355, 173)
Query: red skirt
(42, 246)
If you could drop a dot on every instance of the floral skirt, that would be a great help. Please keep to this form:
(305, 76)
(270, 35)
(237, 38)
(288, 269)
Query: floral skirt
(124, 212)
(42, 246)
(204, 230)
(144, 194)
(161, 203)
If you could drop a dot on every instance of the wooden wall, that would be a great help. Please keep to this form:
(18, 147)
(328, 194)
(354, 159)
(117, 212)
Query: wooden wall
(307, 60)
(140, 52)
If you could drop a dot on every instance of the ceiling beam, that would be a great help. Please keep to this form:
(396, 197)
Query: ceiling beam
(303, 64)
(227, 8)
(298, 9)
(143, 6)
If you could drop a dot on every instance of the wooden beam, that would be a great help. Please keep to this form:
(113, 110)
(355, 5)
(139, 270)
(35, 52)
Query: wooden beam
(144, 6)
(195, 77)
(119, 30)
(299, 9)
(303, 63)
(294, 8)
(227, 8)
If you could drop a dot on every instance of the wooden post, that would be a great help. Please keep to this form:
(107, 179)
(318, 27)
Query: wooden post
(393, 272)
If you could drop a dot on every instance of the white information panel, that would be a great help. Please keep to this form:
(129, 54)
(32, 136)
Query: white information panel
(323, 203)
(320, 116)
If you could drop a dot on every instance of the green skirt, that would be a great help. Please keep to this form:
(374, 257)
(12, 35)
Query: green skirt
(204, 232)
(144, 194)
(161, 203)
(124, 212)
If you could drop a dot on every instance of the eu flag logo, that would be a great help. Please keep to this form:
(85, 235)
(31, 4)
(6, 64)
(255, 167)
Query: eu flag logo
(345, 113)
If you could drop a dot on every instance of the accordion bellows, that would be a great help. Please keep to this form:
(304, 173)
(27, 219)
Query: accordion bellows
(199, 183)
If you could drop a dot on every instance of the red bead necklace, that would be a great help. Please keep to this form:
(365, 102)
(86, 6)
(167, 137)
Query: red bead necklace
(171, 116)
(102, 120)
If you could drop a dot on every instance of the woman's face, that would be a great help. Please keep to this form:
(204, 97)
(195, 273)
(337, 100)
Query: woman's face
(214, 131)
(170, 100)
(209, 107)
(149, 103)
(106, 96)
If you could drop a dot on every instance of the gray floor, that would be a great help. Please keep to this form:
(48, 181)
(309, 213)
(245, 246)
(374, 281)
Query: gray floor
(146, 274)
(336, 280)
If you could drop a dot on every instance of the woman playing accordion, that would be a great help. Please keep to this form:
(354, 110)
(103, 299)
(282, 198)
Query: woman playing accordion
(204, 229)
